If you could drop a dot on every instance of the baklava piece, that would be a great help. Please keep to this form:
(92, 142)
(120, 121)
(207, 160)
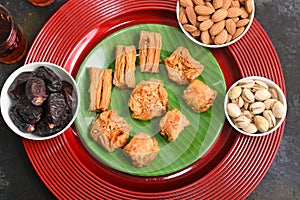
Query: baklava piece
(172, 124)
(149, 99)
(142, 149)
(110, 130)
(100, 88)
(181, 67)
(198, 96)
(124, 75)
(149, 50)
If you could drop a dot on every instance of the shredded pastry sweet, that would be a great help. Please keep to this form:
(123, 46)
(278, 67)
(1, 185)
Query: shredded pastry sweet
(124, 75)
(142, 149)
(149, 49)
(110, 130)
(198, 96)
(181, 67)
(172, 124)
(100, 88)
(149, 99)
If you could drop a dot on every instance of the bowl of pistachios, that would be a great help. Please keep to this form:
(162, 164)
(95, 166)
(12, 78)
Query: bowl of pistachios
(255, 106)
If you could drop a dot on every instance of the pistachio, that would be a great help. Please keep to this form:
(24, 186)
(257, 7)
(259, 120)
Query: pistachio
(235, 92)
(262, 95)
(268, 114)
(274, 94)
(242, 121)
(251, 128)
(246, 105)
(248, 114)
(269, 103)
(248, 95)
(239, 101)
(233, 110)
(257, 108)
(278, 109)
(260, 85)
(246, 83)
(261, 123)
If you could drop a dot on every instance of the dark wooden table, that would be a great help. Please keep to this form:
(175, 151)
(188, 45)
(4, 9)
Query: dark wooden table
(280, 19)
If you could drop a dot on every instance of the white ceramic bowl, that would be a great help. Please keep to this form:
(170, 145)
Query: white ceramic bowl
(215, 45)
(281, 98)
(6, 101)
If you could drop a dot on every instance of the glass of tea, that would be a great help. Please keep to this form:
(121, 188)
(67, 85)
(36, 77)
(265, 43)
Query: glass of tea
(13, 45)
(41, 2)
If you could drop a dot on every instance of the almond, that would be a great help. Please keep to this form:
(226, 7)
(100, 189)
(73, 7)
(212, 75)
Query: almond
(219, 15)
(235, 4)
(229, 37)
(208, 4)
(235, 19)
(217, 28)
(205, 37)
(230, 26)
(242, 22)
(201, 18)
(226, 4)
(186, 3)
(196, 33)
(244, 14)
(182, 16)
(234, 12)
(189, 28)
(242, 2)
(198, 2)
(205, 25)
(203, 10)
(221, 37)
(217, 4)
(191, 15)
(249, 6)
(238, 32)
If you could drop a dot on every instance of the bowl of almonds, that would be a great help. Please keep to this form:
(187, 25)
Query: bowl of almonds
(215, 23)
(255, 106)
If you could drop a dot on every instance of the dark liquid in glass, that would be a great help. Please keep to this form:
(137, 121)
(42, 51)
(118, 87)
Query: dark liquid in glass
(12, 43)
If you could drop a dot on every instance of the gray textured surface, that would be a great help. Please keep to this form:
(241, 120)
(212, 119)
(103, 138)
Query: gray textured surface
(281, 21)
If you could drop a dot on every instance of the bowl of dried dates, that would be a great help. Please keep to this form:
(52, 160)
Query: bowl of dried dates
(255, 106)
(39, 101)
(215, 23)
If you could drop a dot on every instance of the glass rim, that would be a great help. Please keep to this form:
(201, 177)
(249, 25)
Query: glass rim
(5, 11)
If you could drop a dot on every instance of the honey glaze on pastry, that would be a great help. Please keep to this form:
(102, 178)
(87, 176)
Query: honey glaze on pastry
(181, 67)
(100, 88)
(149, 49)
(172, 124)
(110, 130)
(149, 99)
(198, 96)
(124, 75)
(142, 149)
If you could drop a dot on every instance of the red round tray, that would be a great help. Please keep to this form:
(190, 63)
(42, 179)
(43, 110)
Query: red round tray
(233, 166)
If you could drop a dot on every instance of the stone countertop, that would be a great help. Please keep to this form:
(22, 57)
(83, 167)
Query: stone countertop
(281, 21)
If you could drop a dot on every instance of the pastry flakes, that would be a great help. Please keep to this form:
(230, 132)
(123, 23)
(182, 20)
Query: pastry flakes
(181, 67)
(149, 49)
(100, 88)
(124, 75)
(110, 130)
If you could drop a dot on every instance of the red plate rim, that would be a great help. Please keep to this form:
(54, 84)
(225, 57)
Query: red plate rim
(237, 173)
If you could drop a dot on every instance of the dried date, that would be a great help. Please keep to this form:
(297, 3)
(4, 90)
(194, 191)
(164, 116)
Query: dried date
(56, 109)
(35, 91)
(29, 113)
(17, 88)
(20, 122)
(53, 82)
(67, 91)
